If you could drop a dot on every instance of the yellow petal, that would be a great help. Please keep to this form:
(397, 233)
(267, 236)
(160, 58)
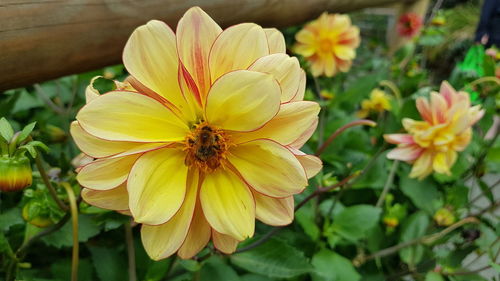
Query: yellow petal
(237, 48)
(228, 204)
(269, 168)
(113, 199)
(98, 148)
(224, 243)
(198, 235)
(311, 164)
(161, 241)
(106, 173)
(422, 166)
(330, 66)
(298, 143)
(288, 125)
(317, 67)
(301, 90)
(242, 100)
(276, 41)
(440, 163)
(286, 70)
(344, 52)
(157, 185)
(127, 116)
(273, 211)
(90, 92)
(150, 56)
(306, 36)
(196, 32)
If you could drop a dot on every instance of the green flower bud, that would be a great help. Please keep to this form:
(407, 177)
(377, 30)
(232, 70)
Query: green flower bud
(15, 173)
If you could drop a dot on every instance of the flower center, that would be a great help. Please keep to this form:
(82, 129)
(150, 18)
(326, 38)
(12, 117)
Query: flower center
(326, 45)
(206, 147)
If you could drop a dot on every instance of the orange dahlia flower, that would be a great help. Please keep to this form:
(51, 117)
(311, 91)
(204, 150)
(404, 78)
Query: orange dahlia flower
(205, 138)
(409, 24)
(432, 144)
(329, 44)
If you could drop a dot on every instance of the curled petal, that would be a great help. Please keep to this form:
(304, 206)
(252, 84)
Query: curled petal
(399, 138)
(274, 211)
(224, 243)
(406, 153)
(106, 173)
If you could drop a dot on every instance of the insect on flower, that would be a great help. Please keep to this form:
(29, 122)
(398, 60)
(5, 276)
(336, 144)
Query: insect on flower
(204, 136)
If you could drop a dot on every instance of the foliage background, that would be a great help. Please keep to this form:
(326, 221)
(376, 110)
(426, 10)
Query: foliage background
(334, 234)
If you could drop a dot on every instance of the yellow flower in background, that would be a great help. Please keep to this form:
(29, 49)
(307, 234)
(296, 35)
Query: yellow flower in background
(432, 144)
(204, 140)
(444, 217)
(329, 44)
(378, 102)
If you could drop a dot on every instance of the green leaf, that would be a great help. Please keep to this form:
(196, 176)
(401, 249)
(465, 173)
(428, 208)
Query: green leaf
(354, 222)
(109, 264)
(190, 265)
(6, 131)
(433, 276)
(486, 191)
(26, 132)
(87, 228)
(414, 227)
(305, 218)
(10, 218)
(274, 259)
(330, 266)
(216, 269)
(157, 270)
(61, 270)
(423, 193)
(255, 277)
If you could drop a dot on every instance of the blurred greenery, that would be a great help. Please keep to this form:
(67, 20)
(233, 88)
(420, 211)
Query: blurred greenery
(335, 236)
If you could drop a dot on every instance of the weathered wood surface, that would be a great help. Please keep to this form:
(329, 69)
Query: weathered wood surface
(46, 39)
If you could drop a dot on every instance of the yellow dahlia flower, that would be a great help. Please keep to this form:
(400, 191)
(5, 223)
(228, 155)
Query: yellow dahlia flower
(378, 102)
(329, 44)
(204, 140)
(432, 144)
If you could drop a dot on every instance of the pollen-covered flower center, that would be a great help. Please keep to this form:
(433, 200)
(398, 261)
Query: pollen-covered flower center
(206, 147)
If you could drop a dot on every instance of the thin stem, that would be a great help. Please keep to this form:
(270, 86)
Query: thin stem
(39, 90)
(484, 79)
(388, 184)
(46, 181)
(394, 90)
(341, 130)
(428, 239)
(74, 217)
(131, 252)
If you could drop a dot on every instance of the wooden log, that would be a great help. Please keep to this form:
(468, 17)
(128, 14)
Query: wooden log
(46, 39)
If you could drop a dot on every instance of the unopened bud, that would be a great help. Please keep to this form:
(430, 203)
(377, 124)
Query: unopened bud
(15, 173)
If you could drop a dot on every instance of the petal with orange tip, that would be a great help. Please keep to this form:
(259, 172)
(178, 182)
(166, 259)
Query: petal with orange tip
(274, 211)
(196, 33)
(224, 243)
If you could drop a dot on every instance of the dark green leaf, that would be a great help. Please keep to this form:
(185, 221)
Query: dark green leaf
(216, 269)
(433, 276)
(354, 222)
(26, 131)
(157, 270)
(109, 264)
(274, 259)
(414, 227)
(423, 193)
(87, 228)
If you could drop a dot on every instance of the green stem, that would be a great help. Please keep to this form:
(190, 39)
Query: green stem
(388, 184)
(482, 80)
(48, 184)
(394, 90)
(74, 217)
(340, 130)
(129, 237)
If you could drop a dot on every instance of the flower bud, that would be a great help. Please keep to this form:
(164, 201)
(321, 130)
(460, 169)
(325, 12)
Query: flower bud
(15, 173)
(391, 221)
(444, 217)
(32, 215)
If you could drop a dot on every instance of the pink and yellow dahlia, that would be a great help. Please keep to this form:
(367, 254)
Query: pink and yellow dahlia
(432, 144)
(204, 139)
(329, 44)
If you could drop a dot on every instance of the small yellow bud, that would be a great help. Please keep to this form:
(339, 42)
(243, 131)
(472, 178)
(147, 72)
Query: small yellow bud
(391, 221)
(444, 217)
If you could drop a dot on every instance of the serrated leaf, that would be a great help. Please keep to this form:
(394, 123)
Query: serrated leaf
(10, 218)
(354, 222)
(275, 258)
(26, 132)
(6, 131)
(330, 266)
